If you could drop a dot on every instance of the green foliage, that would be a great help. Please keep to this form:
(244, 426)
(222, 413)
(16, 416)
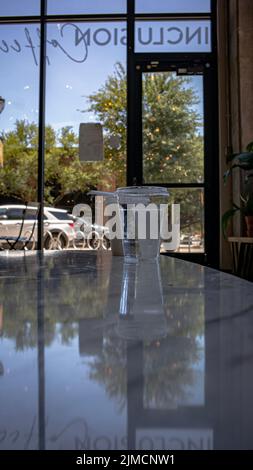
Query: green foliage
(247, 204)
(109, 104)
(63, 170)
(226, 219)
(20, 308)
(244, 161)
(249, 147)
(172, 147)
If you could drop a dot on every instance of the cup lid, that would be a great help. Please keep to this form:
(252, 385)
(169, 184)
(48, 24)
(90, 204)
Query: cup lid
(133, 194)
(140, 194)
(143, 191)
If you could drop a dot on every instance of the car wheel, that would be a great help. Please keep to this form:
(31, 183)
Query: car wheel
(93, 241)
(55, 241)
(106, 244)
(79, 241)
(30, 244)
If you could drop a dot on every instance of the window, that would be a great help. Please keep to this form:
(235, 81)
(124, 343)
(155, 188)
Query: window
(86, 84)
(19, 80)
(172, 6)
(192, 218)
(19, 7)
(173, 36)
(173, 128)
(68, 7)
(86, 89)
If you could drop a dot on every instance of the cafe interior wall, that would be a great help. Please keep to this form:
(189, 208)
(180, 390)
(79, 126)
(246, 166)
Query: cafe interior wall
(235, 74)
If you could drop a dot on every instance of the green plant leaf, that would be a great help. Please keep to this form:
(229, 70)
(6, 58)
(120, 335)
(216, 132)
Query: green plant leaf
(236, 207)
(246, 161)
(242, 157)
(247, 200)
(226, 218)
(242, 165)
(231, 157)
(249, 147)
(226, 175)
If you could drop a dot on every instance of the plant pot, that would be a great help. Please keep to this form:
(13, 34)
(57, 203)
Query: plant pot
(249, 223)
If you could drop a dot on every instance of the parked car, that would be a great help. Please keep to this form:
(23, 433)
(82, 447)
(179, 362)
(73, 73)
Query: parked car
(58, 224)
(197, 241)
(186, 240)
(91, 235)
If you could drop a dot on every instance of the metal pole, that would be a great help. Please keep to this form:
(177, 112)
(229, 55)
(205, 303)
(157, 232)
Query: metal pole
(131, 174)
(41, 355)
(41, 149)
(2, 105)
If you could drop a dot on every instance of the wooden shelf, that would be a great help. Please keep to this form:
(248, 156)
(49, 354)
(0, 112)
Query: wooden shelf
(241, 239)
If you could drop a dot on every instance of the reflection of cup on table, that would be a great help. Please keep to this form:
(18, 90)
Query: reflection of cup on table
(141, 310)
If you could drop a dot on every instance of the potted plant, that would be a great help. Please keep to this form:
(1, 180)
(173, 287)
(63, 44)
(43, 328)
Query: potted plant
(244, 161)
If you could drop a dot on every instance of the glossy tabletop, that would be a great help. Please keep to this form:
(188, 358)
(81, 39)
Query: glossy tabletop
(96, 353)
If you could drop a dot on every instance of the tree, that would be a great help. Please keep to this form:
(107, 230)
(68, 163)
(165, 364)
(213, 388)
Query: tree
(172, 146)
(63, 171)
(109, 104)
(172, 142)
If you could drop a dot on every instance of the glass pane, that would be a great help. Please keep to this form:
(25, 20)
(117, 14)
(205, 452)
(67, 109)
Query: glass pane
(67, 7)
(173, 141)
(86, 90)
(170, 6)
(190, 238)
(173, 36)
(19, 87)
(19, 8)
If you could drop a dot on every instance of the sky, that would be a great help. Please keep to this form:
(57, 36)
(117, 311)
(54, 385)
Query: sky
(80, 58)
(69, 77)
(172, 6)
(31, 7)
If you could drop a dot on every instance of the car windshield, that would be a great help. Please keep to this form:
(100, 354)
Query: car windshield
(61, 215)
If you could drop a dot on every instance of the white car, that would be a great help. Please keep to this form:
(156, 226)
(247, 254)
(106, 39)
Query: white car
(58, 224)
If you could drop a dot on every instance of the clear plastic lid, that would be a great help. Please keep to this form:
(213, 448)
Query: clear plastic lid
(142, 194)
(135, 194)
(143, 190)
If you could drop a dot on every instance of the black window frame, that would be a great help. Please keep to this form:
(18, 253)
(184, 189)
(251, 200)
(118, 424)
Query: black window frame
(212, 254)
(135, 61)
